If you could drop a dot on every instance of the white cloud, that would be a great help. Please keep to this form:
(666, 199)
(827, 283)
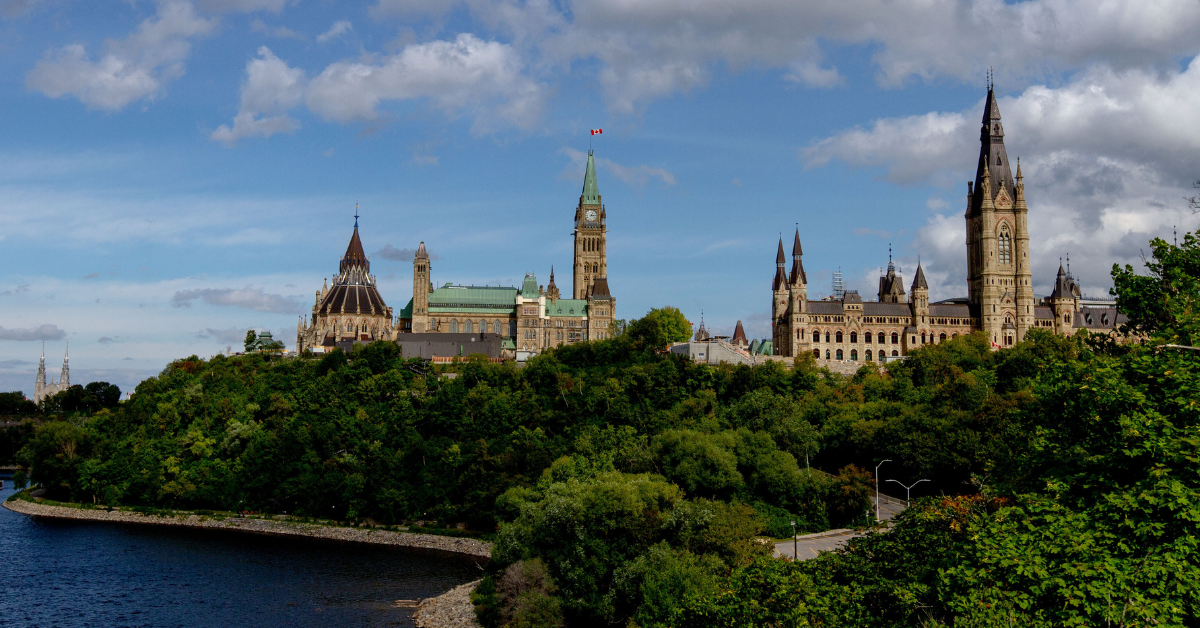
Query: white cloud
(241, 6)
(339, 28)
(648, 50)
(13, 8)
(249, 298)
(631, 175)
(1107, 157)
(271, 89)
(131, 69)
(467, 74)
(232, 335)
(41, 332)
(282, 32)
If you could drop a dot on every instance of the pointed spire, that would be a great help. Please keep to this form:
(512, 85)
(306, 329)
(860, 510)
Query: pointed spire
(591, 192)
(919, 280)
(992, 155)
(739, 336)
(985, 189)
(781, 277)
(355, 257)
(891, 266)
(796, 249)
(421, 252)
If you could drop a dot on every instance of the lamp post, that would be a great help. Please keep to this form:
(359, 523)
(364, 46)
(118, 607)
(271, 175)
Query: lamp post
(877, 488)
(907, 489)
(795, 543)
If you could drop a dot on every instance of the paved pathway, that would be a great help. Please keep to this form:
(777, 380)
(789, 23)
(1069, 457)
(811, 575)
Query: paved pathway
(809, 545)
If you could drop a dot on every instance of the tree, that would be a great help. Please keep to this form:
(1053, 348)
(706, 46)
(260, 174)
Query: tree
(1165, 304)
(251, 340)
(672, 322)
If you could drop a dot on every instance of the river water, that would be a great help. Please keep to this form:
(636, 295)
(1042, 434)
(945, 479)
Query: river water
(71, 573)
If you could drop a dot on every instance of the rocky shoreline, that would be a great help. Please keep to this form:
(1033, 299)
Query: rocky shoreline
(455, 545)
(452, 609)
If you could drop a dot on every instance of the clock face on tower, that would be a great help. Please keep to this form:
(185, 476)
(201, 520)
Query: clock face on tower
(590, 215)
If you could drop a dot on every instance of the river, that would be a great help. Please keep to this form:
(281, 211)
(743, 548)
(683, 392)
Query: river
(75, 574)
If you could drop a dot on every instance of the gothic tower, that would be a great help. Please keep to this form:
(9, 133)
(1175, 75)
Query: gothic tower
(998, 274)
(780, 329)
(798, 292)
(422, 286)
(591, 253)
(40, 383)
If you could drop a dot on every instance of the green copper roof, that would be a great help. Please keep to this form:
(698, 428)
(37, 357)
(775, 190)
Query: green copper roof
(529, 289)
(567, 307)
(591, 193)
(406, 311)
(482, 299)
(766, 348)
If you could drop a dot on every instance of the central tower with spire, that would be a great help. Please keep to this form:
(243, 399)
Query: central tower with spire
(591, 240)
(998, 273)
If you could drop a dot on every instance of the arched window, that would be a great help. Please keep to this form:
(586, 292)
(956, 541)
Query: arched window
(469, 326)
(941, 337)
(853, 337)
(867, 337)
(1008, 319)
(922, 337)
(881, 340)
(854, 355)
(895, 338)
(496, 328)
(799, 334)
(839, 354)
(817, 353)
(955, 335)
(827, 354)
(839, 337)
(826, 337)
(816, 336)
(868, 355)
(1005, 247)
(454, 326)
(894, 352)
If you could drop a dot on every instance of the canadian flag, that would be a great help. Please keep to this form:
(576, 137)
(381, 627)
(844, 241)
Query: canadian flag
(597, 131)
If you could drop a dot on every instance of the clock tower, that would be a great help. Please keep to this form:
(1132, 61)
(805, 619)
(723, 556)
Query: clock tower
(591, 253)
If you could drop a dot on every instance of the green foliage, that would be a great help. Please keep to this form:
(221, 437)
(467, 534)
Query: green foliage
(15, 404)
(672, 322)
(251, 340)
(1165, 304)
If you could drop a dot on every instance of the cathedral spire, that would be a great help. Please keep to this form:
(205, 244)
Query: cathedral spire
(64, 378)
(355, 257)
(591, 192)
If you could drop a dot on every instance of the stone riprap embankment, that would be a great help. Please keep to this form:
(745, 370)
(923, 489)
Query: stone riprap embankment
(452, 609)
(470, 547)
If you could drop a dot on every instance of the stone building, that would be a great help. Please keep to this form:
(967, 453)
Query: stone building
(533, 317)
(347, 308)
(1000, 300)
(41, 389)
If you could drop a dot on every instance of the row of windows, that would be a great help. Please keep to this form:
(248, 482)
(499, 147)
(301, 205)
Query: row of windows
(468, 326)
(837, 337)
(839, 355)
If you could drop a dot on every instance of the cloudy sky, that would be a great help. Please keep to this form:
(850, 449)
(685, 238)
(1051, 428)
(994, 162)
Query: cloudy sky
(175, 172)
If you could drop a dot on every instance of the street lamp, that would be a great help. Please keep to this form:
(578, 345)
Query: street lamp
(877, 488)
(907, 489)
(795, 543)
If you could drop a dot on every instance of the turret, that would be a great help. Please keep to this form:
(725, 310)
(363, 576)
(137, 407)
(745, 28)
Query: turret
(422, 286)
(919, 296)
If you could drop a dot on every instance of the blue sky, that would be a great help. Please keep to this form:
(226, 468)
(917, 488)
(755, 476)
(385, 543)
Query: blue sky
(174, 172)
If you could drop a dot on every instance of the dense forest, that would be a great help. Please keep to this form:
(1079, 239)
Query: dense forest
(624, 485)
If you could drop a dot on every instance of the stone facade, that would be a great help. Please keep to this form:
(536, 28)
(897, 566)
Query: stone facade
(41, 389)
(348, 308)
(531, 318)
(1000, 299)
